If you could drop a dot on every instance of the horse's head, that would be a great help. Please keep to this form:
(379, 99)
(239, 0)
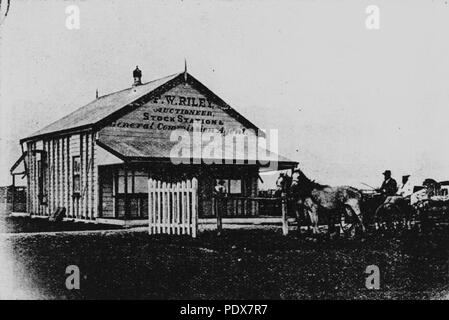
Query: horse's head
(283, 182)
(301, 179)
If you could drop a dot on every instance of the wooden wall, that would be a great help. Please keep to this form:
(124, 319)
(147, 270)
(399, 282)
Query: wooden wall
(59, 179)
(157, 119)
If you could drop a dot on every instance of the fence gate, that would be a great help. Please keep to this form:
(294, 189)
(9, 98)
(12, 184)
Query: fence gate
(173, 207)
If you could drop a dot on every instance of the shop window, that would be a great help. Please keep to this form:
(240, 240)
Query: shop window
(137, 194)
(232, 186)
(140, 183)
(235, 186)
(137, 182)
(76, 174)
(121, 184)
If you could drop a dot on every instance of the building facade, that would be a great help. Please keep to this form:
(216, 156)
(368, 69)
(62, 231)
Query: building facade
(96, 161)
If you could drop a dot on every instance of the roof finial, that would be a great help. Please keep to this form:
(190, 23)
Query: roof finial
(137, 75)
(185, 69)
(96, 94)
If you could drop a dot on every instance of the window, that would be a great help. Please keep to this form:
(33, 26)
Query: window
(232, 186)
(235, 186)
(140, 182)
(137, 182)
(76, 171)
(41, 183)
(121, 182)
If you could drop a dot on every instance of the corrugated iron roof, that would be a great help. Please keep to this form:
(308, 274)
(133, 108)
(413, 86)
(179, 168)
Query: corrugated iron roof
(102, 107)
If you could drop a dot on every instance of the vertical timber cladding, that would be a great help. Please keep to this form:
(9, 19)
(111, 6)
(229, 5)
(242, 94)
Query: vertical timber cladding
(58, 178)
(60, 152)
(82, 164)
(28, 163)
(67, 175)
(51, 190)
(30, 181)
(39, 145)
(58, 175)
(94, 180)
(83, 204)
(74, 150)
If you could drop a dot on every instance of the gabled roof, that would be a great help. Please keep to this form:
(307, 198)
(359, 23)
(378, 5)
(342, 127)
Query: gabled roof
(102, 107)
(109, 107)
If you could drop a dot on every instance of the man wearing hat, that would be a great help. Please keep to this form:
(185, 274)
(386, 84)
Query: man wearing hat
(389, 185)
(220, 188)
(405, 189)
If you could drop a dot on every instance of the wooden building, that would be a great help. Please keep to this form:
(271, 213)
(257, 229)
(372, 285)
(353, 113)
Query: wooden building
(96, 161)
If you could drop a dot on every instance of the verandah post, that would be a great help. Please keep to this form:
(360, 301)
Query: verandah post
(194, 207)
(150, 206)
(13, 195)
(189, 207)
(219, 204)
(284, 213)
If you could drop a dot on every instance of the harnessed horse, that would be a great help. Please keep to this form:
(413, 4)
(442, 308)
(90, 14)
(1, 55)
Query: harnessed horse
(342, 202)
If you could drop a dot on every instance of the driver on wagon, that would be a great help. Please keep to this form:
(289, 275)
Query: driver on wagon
(389, 185)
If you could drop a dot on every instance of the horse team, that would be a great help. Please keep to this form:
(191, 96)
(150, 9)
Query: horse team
(340, 206)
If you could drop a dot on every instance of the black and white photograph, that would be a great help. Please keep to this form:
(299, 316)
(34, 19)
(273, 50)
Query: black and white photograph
(224, 155)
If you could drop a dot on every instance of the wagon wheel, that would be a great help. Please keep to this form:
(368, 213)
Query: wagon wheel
(424, 220)
(379, 217)
(349, 221)
(409, 216)
(398, 217)
(388, 216)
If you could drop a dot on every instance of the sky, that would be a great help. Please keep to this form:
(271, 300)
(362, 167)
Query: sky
(348, 102)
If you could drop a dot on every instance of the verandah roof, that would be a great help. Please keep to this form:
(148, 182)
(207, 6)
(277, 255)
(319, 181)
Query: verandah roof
(129, 149)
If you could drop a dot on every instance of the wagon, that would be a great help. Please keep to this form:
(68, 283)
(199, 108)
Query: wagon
(428, 206)
(433, 205)
(387, 213)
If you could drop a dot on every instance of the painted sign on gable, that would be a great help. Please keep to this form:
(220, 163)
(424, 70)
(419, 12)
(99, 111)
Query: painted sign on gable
(178, 108)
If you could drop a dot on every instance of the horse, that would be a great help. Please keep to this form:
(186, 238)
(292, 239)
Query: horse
(312, 197)
(283, 184)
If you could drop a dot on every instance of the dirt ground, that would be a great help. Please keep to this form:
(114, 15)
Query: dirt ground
(240, 264)
(26, 224)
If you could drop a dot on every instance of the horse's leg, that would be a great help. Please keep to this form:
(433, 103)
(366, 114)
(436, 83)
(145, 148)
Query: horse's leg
(308, 217)
(299, 212)
(313, 213)
(306, 211)
(330, 224)
(408, 217)
(333, 231)
(312, 210)
(354, 204)
(377, 222)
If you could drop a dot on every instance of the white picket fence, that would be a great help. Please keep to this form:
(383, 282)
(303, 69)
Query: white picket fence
(173, 207)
